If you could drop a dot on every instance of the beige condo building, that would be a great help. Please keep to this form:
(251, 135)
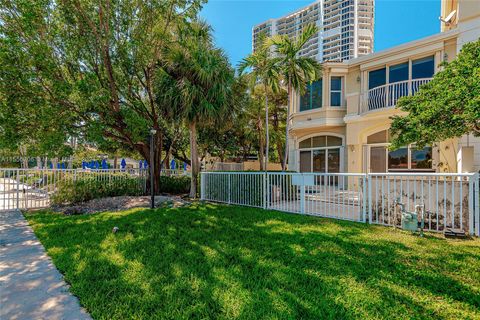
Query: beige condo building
(341, 124)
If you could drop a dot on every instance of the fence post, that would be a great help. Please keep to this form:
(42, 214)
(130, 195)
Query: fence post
(477, 203)
(265, 191)
(229, 187)
(471, 207)
(18, 189)
(369, 181)
(364, 196)
(202, 185)
(302, 196)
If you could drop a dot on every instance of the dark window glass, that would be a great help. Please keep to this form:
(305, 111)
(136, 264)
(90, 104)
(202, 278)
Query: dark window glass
(379, 137)
(336, 91)
(305, 161)
(312, 99)
(336, 99)
(319, 141)
(318, 160)
(398, 72)
(423, 68)
(305, 100)
(334, 141)
(398, 159)
(377, 159)
(421, 158)
(376, 78)
(316, 94)
(336, 83)
(307, 143)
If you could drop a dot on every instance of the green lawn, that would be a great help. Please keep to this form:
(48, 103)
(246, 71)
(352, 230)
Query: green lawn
(221, 262)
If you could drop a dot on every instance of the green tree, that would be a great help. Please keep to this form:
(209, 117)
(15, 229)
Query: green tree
(88, 66)
(264, 70)
(446, 107)
(296, 70)
(198, 84)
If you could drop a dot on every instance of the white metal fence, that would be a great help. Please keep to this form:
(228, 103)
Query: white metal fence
(447, 200)
(34, 188)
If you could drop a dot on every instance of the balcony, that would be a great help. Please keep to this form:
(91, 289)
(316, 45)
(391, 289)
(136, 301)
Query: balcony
(386, 96)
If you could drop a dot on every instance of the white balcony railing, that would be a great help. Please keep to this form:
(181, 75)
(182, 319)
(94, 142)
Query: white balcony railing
(387, 95)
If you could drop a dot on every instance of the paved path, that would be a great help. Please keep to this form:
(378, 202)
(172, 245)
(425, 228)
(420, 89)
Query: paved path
(30, 285)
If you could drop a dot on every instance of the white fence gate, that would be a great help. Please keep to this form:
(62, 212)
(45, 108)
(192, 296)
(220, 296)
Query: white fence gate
(448, 200)
(33, 188)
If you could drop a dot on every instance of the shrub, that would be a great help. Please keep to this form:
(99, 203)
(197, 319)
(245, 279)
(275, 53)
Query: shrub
(90, 187)
(99, 185)
(175, 184)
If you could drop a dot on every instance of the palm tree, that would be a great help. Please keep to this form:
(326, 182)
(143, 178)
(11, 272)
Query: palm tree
(297, 71)
(266, 72)
(199, 84)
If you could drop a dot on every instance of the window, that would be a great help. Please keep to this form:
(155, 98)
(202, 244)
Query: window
(423, 68)
(321, 142)
(321, 154)
(421, 158)
(376, 78)
(379, 137)
(398, 72)
(336, 91)
(407, 158)
(398, 159)
(312, 99)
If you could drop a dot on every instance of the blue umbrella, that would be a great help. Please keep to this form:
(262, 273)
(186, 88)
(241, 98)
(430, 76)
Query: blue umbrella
(92, 165)
(140, 164)
(58, 165)
(173, 164)
(51, 165)
(145, 164)
(63, 166)
(104, 164)
(185, 166)
(97, 165)
(123, 164)
(84, 165)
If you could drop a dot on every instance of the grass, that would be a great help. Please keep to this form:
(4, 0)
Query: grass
(221, 262)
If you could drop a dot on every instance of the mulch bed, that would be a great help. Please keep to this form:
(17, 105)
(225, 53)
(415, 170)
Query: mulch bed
(120, 203)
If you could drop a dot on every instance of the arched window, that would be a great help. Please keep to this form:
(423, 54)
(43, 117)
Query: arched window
(321, 154)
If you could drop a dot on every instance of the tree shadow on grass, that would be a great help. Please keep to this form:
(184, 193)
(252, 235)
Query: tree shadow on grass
(242, 263)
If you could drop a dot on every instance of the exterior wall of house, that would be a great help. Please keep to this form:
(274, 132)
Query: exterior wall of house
(355, 120)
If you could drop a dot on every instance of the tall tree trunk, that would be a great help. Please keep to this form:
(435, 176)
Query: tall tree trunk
(279, 144)
(267, 137)
(285, 158)
(157, 158)
(194, 158)
(115, 162)
(261, 145)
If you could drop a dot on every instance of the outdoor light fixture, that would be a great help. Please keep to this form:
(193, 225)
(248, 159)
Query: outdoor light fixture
(152, 167)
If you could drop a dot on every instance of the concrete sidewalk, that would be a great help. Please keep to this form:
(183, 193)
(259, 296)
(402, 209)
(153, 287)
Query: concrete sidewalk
(30, 285)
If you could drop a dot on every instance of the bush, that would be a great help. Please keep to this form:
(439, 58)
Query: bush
(98, 185)
(175, 184)
(90, 187)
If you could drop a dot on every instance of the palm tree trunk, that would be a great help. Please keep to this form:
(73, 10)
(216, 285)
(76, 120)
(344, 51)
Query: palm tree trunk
(285, 158)
(261, 145)
(267, 142)
(194, 158)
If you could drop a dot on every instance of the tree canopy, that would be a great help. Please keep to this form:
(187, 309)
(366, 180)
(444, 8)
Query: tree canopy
(446, 107)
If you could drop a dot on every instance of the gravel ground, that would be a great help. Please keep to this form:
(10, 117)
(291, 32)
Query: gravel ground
(120, 203)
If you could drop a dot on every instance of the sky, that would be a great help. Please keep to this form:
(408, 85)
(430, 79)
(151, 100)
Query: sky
(396, 21)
